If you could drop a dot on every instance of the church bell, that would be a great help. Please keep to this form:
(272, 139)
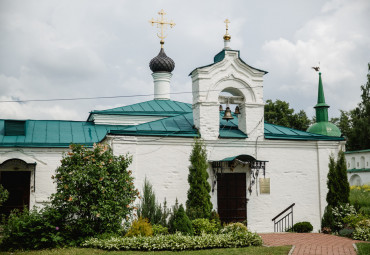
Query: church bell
(220, 108)
(227, 116)
(237, 111)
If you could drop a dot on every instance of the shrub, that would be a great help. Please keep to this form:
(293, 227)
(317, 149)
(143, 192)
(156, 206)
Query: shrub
(180, 221)
(159, 230)
(327, 223)
(204, 226)
(140, 227)
(176, 242)
(34, 230)
(302, 227)
(234, 228)
(346, 232)
(94, 190)
(148, 207)
(198, 204)
(362, 230)
(4, 194)
(340, 213)
(215, 217)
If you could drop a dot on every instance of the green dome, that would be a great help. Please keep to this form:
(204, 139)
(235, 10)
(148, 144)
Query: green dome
(325, 128)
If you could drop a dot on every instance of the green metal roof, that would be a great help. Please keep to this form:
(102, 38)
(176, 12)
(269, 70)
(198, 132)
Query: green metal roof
(358, 170)
(56, 133)
(283, 133)
(349, 152)
(59, 133)
(149, 108)
(242, 157)
(221, 55)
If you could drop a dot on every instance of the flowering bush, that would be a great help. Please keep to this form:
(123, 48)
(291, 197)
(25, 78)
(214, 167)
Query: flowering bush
(176, 242)
(94, 190)
(362, 230)
(340, 212)
(234, 228)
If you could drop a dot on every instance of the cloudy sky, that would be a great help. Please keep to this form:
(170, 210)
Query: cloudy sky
(83, 48)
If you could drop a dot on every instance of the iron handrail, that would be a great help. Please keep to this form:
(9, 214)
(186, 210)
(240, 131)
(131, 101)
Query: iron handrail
(285, 222)
(284, 211)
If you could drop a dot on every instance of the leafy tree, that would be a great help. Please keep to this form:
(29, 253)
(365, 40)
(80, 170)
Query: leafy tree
(279, 113)
(149, 208)
(94, 190)
(359, 128)
(198, 204)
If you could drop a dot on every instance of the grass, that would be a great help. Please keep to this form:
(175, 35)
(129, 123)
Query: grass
(363, 248)
(360, 196)
(281, 250)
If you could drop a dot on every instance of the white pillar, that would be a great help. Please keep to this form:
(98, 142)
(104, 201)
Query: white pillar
(162, 85)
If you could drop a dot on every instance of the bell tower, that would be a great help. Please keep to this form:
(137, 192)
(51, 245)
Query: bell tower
(229, 73)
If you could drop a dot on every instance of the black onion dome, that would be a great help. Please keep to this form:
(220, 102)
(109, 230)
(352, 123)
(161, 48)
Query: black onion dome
(162, 63)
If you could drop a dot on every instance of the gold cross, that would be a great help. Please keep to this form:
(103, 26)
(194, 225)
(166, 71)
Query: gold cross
(162, 24)
(227, 37)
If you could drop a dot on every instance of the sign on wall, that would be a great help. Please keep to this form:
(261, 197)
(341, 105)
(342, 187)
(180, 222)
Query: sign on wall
(264, 185)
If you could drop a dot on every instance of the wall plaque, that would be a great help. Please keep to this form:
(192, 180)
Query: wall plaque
(264, 185)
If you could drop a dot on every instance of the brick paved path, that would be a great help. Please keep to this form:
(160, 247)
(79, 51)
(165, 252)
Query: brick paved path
(311, 243)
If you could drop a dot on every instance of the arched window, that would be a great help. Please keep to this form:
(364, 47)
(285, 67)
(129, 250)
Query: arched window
(362, 162)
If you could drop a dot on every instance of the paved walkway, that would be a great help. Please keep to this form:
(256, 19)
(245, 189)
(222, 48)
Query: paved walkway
(311, 243)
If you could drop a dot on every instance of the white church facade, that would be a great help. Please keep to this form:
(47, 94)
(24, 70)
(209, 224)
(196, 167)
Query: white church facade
(256, 169)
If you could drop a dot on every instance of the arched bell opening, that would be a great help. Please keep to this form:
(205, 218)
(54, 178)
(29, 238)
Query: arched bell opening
(230, 100)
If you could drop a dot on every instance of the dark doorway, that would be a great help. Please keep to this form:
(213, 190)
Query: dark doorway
(231, 197)
(18, 185)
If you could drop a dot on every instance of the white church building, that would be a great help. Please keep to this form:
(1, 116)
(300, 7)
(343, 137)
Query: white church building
(256, 169)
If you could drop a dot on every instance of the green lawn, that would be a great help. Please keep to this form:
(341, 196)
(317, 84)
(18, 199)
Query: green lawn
(282, 250)
(363, 248)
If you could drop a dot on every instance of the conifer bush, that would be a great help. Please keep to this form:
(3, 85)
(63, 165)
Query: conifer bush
(180, 222)
(198, 204)
(302, 227)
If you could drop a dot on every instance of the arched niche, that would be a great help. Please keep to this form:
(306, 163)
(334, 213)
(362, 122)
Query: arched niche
(355, 180)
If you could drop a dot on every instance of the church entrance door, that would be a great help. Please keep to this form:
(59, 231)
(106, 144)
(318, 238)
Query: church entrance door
(231, 197)
(18, 185)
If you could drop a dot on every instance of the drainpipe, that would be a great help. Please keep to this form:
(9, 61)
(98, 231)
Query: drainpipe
(319, 178)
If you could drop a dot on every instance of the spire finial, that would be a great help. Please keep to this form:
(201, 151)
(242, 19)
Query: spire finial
(227, 37)
(162, 24)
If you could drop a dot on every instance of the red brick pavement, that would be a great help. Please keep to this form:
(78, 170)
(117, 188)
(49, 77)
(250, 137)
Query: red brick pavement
(311, 243)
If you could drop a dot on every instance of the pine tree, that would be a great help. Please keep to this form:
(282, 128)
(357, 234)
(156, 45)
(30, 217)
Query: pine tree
(338, 186)
(199, 203)
(338, 189)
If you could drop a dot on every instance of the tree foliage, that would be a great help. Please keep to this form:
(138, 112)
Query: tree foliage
(94, 190)
(279, 113)
(4, 194)
(198, 204)
(355, 124)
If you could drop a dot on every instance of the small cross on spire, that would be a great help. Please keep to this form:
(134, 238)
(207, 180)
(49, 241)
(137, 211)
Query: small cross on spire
(162, 24)
(227, 37)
